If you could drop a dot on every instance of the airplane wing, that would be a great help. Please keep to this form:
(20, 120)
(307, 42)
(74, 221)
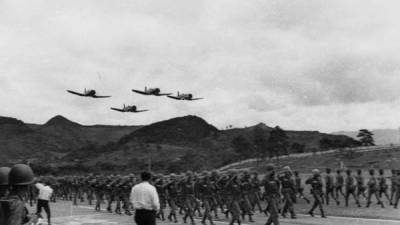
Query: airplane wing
(173, 97)
(164, 94)
(139, 92)
(96, 96)
(194, 99)
(119, 110)
(144, 110)
(75, 93)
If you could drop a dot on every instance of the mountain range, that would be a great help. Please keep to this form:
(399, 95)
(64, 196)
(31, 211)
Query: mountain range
(181, 143)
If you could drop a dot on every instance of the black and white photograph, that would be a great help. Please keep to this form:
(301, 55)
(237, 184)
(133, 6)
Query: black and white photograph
(199, 112)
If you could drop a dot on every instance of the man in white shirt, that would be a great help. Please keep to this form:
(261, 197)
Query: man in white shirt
(145, 201)
(45, 192)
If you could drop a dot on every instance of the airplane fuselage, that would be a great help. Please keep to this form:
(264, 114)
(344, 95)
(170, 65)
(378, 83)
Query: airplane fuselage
(185, 96)
(153, 91)
(91, 93)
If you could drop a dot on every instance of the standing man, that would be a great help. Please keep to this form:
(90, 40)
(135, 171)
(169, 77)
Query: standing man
(45, 192)
(145, 201)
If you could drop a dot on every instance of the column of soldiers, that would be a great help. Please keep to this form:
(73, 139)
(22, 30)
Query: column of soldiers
(234, 194)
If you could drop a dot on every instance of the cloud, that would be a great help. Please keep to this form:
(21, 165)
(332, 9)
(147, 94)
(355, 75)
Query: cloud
(281, 62)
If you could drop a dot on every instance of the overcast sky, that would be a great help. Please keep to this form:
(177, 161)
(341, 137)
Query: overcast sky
(304, 65)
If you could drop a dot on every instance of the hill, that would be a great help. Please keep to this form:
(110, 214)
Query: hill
(381, 136)
(181, 143)
(176, 144)
(53, 139)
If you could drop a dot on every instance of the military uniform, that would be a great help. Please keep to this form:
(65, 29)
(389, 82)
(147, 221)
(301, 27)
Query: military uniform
(339, 184)
(373, 190)
(330, 187)
(350, 189)
(272, 195)
(288, 190)
(316, 191)
(360, 185)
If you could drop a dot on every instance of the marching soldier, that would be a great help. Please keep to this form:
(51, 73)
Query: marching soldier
(330, 187)
(300, 188)
(373, 189)
(255, 192)
(272, 195)
(393, 186)
(339, 184)
(288, 191)
(206, 190)
(360, 185)
(316, 191)
(172, 196)
(246, 191)
(188, 197)
(234, 192)
(383, 187)
(159, 185)
(350, 188)
(397, 195)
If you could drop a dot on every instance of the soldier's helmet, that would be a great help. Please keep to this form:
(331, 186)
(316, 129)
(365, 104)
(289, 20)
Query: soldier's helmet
(348, 171)
(20, 174)
(270, 167)
(371, 171)
(4, 171)
(315, 172)
(286, 170)
(205, 173)
(214, 173)
(381, 171)
(359, 171)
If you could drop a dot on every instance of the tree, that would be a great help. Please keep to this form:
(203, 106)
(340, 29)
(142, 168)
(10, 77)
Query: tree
(366, 138)
(242, 147)
(325, 143)
(261, 142)
(278, 142)
(297, 147)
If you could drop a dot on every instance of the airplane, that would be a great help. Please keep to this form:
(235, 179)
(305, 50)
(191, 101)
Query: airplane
(88, 93)
(129, 108)
(151, 91)
(188, 97)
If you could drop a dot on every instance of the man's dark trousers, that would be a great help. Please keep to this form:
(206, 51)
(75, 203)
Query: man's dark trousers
(145, 217)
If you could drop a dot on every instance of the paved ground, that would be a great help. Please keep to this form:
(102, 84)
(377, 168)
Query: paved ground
(66, 214)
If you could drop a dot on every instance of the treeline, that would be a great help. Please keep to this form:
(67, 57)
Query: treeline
(263, 144)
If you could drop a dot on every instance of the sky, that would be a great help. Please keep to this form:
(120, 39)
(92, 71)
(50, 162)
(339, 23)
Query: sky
(300, 64)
